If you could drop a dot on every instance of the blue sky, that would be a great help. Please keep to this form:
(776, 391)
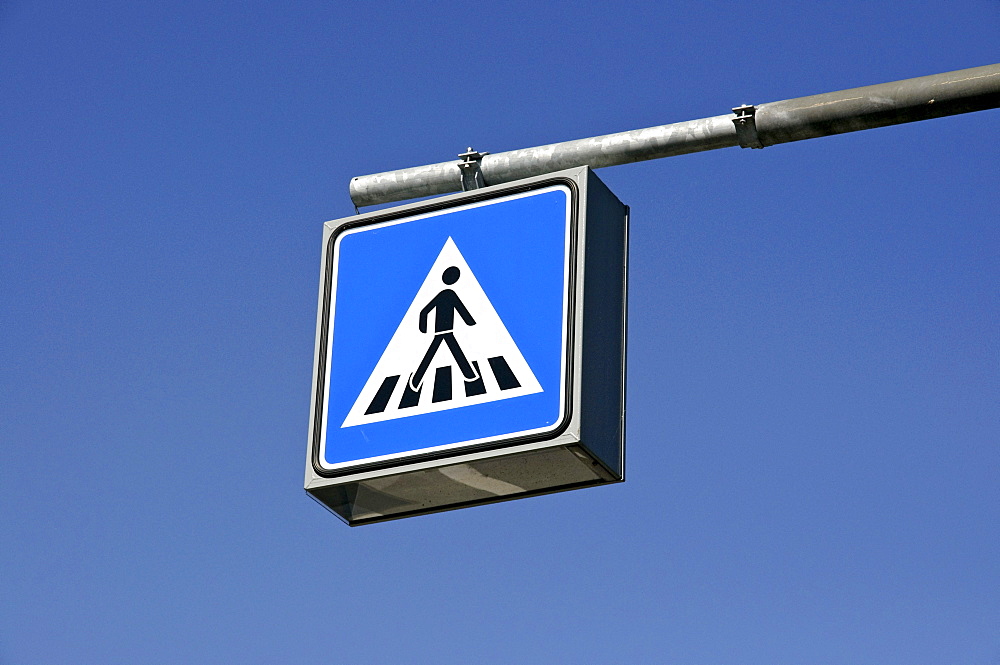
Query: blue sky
(814, 350)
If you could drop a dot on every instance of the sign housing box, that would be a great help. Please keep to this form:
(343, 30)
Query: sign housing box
(554, 246)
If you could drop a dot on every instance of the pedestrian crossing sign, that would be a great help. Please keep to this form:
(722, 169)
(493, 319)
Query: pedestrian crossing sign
(448, 329)
(455, 331)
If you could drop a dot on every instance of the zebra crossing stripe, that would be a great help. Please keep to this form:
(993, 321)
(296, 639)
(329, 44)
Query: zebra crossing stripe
(476, 387)
(382, 396)
(442, 384)
(505, 378)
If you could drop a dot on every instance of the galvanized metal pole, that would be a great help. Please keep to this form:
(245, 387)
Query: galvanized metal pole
(797, 119)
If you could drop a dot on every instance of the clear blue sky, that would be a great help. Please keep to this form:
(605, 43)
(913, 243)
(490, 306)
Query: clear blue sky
(814, 359)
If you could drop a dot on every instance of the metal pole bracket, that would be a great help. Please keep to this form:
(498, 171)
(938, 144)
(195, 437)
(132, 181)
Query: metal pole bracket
(471, 168)
(746, 126)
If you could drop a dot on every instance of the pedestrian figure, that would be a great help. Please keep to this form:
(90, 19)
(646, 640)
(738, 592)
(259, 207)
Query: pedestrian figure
(446, 303)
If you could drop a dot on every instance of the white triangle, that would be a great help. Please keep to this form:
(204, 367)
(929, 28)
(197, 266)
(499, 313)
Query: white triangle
(486, 339)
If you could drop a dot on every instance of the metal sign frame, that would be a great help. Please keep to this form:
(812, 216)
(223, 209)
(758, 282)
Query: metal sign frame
(586, 446)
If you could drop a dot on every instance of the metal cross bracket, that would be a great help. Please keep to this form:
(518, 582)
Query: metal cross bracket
(746, 126)
(472, 173)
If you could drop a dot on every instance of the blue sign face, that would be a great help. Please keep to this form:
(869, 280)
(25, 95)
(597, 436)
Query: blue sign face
(448, 329)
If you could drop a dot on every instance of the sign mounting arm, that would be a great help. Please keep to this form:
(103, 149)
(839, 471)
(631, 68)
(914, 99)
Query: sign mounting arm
(910, 100)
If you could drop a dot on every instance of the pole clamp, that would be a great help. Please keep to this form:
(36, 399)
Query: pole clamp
(471, 168)
(746, 126)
